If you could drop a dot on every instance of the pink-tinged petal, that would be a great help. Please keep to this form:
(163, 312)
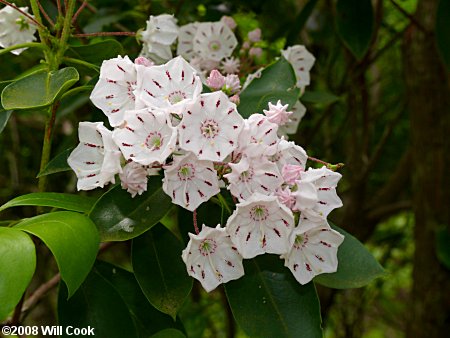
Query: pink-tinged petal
(214, 40)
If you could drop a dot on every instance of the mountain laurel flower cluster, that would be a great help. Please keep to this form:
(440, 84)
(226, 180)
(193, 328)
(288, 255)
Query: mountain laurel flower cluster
(201, 146)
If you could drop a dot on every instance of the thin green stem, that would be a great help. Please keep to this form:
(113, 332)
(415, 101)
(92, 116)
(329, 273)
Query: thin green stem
(24, 45)
(67, 25)
(81, 63)
(47, 145)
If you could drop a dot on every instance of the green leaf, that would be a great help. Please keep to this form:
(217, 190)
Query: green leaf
(17, 265)
(355, 25)
(443, 246)
(443, 31)
(57, 164)
(96, 304)
(120, 217)
(4, 117)
(169, 333)
(300, 22)
(73, 240)
(277, 82)
(39, 89)
(52, 199)
(146, 318)
(268, 302)
(159, 269)
(96, 52)
(357, 267)
(319, 97)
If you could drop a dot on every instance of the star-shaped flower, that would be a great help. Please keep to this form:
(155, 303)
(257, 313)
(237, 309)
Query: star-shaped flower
(211, 258)
(113, 93)
(148, 136)
(261, 224)
(313, 250)
(190, 182)
(291, 126)
(185, 46)
(96, 159)
(161, 32)
(278, 113)
(210, 126)
(214, 40)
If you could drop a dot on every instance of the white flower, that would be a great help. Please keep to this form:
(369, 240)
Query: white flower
(210, 127)
(278, 113)
(287, 152)
(302, 61)
(185, 46)
(134, 178)
(317, 205)
(260, 225)
(253, 175)
(15, 28)
(190, 182)
(168, 86)
(298, 111)
(96, 159)
(214, 40)
(285, 196)
(113, 93)
(232, 84)
(161, 32)
(230, 65)
(148, 136)
(313, 250)
(211, 258)
(258, 137)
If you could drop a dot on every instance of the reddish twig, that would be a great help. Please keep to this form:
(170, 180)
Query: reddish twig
(44, 13)
(194, 218)
(75, 16)
(330, 166)
(58, 4)
(104, 34)
(22, 12)
(40, 292)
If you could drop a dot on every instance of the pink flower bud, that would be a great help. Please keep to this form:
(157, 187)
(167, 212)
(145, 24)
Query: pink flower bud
(143, 61)
(235, 99)
(232, 84)
(215, 80)
(254, 35)
(246, 45)
(285, 196)
(255, 51)
(278, 113)
(291, 173)
(229, 21)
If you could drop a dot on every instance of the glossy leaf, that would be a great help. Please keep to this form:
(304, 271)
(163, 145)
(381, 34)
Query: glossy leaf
(159, 269)
(443, 31)
(96, 304)
(73, 240)
(96, 52)
(356, 268)
(277, 82)
(39, 89)
(269, 303)
(355, 25)
(120, 217)
(146, 318)
(319, 97)
(17, 265)
(57, 164)
(52, 199)
(4, 117)
(169, 333)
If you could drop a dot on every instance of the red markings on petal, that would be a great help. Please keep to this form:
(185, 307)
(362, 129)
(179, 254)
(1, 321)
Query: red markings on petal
(120, 68)
(325, 244)
(126, 144)
(308, 267)
(168, 75)
(157, 84)
(277, 232)
(217, 103)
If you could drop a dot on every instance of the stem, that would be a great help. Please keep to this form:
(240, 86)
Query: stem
(74, 18)
(330, 166)
(46, 146)
(46, 16)
(24, 45)
(82, 63)
(194, 218)
(36, 21)
(105, 34)
(70, 8)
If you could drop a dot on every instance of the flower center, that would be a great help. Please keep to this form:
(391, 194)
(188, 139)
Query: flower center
(186, 172)
(259, 213)
(154, 141)
(214, 46)
(23, 23)
(300, 241)
(207, 246)
(176, 96)
(209, 129)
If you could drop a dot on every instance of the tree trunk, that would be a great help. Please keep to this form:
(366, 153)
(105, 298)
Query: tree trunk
(429, 105)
